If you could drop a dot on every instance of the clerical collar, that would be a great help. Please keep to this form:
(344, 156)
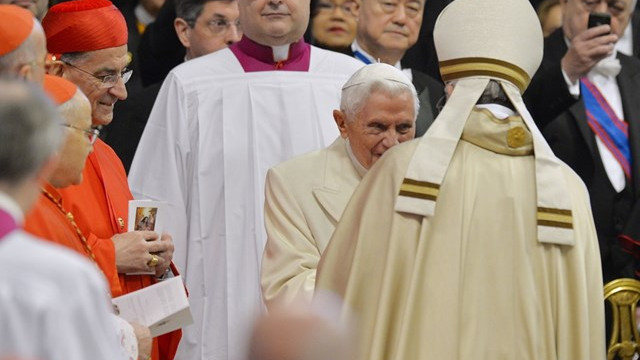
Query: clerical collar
(11, 206)
(360, 169)
(360, 54)
(256, 57)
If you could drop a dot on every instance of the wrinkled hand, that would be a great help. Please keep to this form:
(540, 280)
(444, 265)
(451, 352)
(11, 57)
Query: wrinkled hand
(143, 335)
(587, 48)
(133, 251)
(165, 256)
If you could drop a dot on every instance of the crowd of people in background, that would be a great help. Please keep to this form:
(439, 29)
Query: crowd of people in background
(344, 179)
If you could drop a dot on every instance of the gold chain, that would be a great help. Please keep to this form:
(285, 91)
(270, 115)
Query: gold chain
(69, 217)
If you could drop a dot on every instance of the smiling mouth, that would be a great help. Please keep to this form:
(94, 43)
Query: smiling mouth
(106, 104)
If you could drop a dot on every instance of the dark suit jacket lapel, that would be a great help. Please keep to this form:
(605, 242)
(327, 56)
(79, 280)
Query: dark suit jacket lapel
(629, 84)
(577, 110)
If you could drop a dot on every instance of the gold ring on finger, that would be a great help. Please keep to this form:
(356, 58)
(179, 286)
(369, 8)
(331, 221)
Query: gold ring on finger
(154, 261)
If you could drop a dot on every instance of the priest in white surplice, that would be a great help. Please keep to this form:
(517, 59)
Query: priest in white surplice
(474, 242)
(218, 124)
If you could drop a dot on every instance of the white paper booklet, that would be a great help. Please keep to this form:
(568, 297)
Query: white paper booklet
(163, 307)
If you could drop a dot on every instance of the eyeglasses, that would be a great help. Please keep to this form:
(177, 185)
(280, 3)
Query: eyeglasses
(91, 133)
(222, 25)
(107, 81)
(412, 8)
(615, 7)
(329, 7)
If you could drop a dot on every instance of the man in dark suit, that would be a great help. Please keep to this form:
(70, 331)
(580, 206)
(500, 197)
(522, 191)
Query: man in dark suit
(385, 31)
(584, 98)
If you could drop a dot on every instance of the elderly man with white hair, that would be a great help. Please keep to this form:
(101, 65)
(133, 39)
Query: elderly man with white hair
(305, 196)
(474, 242)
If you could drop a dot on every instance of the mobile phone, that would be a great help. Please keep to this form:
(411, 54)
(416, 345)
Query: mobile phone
(598, 18)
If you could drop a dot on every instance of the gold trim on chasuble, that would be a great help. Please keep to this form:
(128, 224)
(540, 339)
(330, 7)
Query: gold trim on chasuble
(419, 189)
(555, 218)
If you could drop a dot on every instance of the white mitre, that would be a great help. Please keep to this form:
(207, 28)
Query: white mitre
(477, 41)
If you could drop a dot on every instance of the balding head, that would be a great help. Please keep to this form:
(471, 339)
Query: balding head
(23, 51)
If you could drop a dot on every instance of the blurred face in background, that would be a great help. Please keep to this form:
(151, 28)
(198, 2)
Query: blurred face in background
(388, 28)
(551, 19)
(334, 23)
(217, 27)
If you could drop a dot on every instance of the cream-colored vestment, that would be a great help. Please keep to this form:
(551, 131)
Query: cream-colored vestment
(305, 197)
(473, 281)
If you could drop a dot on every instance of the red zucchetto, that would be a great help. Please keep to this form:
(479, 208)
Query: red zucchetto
(60, 90)
(84, 25)
(16, 24)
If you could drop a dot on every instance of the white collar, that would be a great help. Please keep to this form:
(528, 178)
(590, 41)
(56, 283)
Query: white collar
(356, 163)
(356, 47)
(8, 204)
(281, 52)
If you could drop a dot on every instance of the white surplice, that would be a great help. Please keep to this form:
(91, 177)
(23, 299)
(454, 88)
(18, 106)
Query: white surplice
(212, 135)
(54, 304)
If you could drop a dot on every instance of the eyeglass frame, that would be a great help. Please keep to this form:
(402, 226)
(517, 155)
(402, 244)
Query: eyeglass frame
(330, 7)
(125, 75)
(92, 133)
(590, 5)
(211, 23)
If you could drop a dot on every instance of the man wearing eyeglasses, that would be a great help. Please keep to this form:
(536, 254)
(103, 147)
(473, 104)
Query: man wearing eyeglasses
(205, 26)
(219, 123)
(584, 98)
(88, 42)
(22, 45)
(386, 30)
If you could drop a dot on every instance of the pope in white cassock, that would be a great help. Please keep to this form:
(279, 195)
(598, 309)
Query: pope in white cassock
(218, 124)
(475, 241)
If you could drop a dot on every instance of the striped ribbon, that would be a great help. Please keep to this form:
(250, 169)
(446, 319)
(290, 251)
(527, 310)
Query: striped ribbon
(604, 122)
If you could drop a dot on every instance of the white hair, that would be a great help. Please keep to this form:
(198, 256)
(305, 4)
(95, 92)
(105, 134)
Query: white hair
(372, 78)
